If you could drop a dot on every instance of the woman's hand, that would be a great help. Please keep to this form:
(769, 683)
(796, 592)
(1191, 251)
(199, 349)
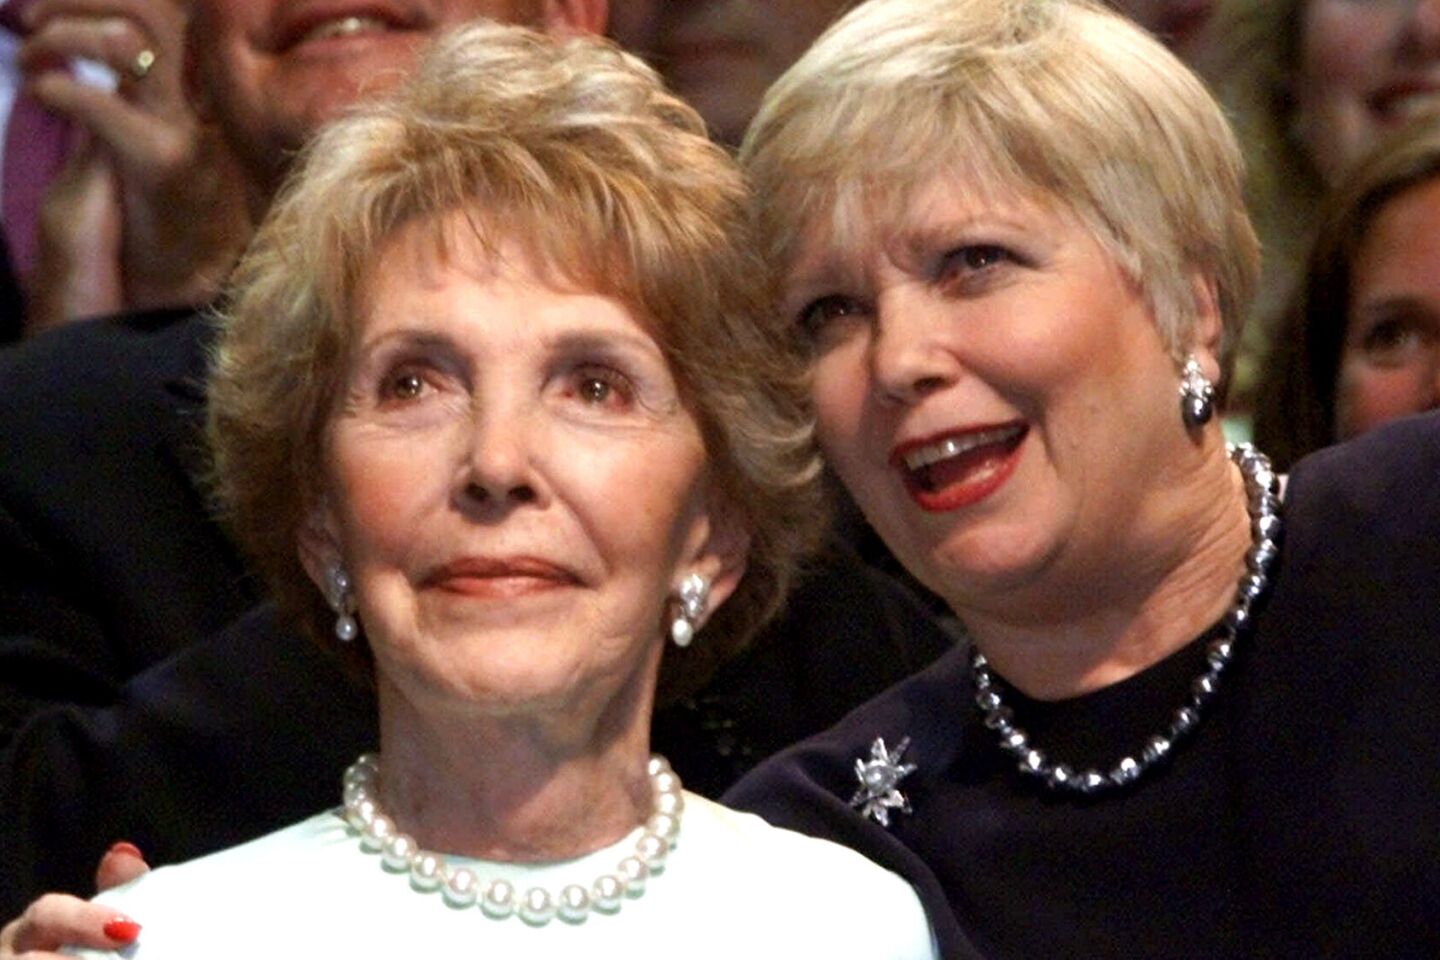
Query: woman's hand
(58, 920)
(173, 188)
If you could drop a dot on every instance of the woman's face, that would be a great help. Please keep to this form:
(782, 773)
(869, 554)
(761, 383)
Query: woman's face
(514, 483)
(991, 389)
(1365, 67)
(1390, 361)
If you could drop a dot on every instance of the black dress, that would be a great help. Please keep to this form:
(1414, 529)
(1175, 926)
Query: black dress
(1301, 820)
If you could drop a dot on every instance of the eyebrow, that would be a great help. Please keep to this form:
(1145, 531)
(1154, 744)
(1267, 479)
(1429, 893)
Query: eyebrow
(598, 339)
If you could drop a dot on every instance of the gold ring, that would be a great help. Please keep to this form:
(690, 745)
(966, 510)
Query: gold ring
(140, 66)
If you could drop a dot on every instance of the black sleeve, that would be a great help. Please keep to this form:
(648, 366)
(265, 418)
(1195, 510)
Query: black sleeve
(233, 737)
(36, 671)
(12, 304)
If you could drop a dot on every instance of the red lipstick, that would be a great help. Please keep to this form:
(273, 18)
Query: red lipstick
(951, 470)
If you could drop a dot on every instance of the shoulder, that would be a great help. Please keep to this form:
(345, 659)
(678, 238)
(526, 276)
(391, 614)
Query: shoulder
(173, 891)
(726, 833)
(277, 878)
(1367, 509)
(788, 875)
(1388, 472)
(90, 404)
(92, 368)
(809, 787)
(96, 344)
(819, 773)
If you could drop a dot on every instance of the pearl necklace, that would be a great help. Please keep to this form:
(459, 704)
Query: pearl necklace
(1262, 504)
(497, 898)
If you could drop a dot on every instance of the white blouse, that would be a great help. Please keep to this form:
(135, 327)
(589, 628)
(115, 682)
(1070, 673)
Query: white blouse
(733, 887)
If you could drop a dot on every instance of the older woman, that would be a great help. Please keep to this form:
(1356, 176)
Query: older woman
(493, 385)
(1362, 342)
(1013, 231)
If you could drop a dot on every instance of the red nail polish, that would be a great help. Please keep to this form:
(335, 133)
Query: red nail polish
(122, 930)
(125, 846)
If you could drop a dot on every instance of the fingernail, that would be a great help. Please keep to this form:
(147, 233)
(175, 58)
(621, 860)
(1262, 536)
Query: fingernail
(125, 846)
(122, 930)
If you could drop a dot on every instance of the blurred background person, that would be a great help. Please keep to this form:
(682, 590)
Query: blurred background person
(1361, 342)
(1313, 85)
(1182, 25)
(116, 195)
(721, 55)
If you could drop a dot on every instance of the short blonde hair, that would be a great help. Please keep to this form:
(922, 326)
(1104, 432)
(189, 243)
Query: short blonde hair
(1063, 98)
(573, 149)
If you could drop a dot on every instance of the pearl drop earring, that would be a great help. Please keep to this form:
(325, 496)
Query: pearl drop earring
(342, 601)
(694, 592)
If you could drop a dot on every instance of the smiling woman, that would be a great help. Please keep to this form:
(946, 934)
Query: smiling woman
(1013, 232)
(495, 410)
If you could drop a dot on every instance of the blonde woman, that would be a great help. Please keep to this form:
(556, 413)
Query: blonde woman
(1193, 719)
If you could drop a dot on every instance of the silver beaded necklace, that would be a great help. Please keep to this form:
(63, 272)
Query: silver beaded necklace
(497, 899)
(1262, 504)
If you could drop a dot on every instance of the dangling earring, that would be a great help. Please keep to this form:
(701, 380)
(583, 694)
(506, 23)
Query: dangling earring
(694, 592)
(342, 601)
(1197, 395)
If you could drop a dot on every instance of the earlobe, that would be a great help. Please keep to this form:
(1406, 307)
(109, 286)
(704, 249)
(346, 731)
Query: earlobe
(318, 545)
(1207, 332)
(576, 16)
(720, 553)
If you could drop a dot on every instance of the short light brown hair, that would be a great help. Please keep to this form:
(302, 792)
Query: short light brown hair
(574, 150)
(1063, 99)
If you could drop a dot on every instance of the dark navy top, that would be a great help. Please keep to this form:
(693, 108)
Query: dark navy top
(1301, 820)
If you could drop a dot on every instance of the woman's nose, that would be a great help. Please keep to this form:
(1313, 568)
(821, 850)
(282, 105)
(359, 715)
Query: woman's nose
(910, 358)
(500, 458)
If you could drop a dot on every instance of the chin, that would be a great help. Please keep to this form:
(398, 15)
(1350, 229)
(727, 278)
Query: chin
(988, 561)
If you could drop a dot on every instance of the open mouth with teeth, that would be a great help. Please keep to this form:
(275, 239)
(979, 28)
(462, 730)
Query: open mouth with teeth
(955, 470)
(345, 27)
(320, 29)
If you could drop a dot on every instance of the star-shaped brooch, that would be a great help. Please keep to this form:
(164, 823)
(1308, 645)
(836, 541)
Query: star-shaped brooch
(880, 778)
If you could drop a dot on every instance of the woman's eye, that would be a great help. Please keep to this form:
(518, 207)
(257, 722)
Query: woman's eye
(600, 387)
(975, 258)
(403, 385)
(1395, 341)
(821, 313)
